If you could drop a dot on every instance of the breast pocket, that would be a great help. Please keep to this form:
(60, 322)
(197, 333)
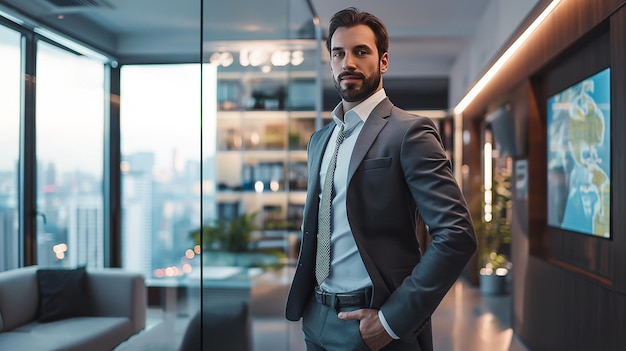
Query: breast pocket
(376, 163)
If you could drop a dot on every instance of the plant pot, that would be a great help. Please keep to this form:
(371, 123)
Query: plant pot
(492, 284)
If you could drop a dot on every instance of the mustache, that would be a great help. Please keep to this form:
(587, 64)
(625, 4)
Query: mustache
(344, 74)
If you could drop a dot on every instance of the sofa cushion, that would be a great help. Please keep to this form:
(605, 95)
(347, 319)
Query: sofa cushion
(62, 294)
(12, 340)
(73, 334)
(18, 297)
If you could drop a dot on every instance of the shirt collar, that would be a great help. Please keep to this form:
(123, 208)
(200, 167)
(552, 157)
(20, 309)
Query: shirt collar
(358, 113)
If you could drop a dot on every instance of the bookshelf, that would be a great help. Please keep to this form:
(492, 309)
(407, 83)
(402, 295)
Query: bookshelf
(263, 125)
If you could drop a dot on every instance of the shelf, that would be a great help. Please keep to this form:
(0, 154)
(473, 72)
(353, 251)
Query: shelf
(304, 114)
(257, 153)
(248, 194)
(273, 91)
(261, 143)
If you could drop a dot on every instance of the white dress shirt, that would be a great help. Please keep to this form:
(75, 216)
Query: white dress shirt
(347, 270)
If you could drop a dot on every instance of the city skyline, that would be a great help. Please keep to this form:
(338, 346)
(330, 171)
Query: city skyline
(75, 217)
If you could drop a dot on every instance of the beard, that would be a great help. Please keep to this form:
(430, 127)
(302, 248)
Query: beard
(351, 93)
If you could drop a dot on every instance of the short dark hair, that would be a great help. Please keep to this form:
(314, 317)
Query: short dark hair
(351, 17)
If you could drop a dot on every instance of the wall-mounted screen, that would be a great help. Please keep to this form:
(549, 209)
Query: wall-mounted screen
(579, 157)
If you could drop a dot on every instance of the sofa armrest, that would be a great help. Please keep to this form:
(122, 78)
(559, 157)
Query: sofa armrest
(119, 293)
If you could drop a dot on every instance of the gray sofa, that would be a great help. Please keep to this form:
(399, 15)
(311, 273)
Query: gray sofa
(118, 304)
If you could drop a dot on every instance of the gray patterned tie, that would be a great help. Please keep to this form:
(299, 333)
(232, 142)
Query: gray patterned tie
(322, 267)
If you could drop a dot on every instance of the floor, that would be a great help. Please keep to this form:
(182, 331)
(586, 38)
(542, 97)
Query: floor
(466, 320)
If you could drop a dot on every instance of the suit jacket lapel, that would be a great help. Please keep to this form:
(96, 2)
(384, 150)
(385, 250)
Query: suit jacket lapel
(372, 127)
(315, 154)
(317, 148)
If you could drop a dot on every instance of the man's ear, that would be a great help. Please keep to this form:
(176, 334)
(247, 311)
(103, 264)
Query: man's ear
(384, 62)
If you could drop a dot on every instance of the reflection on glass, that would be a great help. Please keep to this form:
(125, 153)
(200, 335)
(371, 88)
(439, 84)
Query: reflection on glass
(162, 188)
(9, 146)
(70, 119)
(160, 142)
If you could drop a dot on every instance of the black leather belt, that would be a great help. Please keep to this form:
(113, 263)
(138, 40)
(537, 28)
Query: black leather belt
(358, 298)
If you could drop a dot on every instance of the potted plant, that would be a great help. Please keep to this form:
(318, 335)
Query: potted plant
(494, 236)
(224, 241)
(231, 243)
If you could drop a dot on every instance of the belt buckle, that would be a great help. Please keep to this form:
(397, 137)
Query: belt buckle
(327, 299)
(321, 296)
(333, 299)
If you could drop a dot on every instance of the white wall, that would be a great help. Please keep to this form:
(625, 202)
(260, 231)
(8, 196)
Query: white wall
(500, 20)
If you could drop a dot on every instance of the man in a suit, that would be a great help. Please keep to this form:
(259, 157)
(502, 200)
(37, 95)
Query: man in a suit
(368, 287)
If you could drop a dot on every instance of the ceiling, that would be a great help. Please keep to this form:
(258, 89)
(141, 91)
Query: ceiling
(426, 36)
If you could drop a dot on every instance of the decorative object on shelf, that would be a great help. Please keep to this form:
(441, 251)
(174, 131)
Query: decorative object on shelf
(233, 139)
(293, 140)
(294, 215)
(273, 218)
(267, 97)
(300, 130)
(247, 176)
(298, 175)
(270, 174)
(275, 136)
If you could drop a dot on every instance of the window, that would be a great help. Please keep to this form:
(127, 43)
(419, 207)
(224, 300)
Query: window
(160, 144)
(10, 58)
(70, 124)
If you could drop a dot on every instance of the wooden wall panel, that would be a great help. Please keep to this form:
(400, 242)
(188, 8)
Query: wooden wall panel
(584, 253)
(577, 301)
(520, 243)
(570, 20)
(537, 169)
(618, 100)
(566, 311)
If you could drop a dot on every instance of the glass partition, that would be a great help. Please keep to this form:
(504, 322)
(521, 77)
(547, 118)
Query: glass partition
(255, 183)
(212, 143)
(160, 147)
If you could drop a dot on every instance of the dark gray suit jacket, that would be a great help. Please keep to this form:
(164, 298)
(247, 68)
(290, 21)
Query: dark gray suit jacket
(398, 172)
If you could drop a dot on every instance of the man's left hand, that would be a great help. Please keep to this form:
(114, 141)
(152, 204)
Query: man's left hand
(372, 331)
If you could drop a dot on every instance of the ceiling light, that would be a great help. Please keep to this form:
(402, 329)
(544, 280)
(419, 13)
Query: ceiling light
(297, 57)
(486, 78)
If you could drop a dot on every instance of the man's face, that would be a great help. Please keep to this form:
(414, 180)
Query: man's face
(355, 63)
